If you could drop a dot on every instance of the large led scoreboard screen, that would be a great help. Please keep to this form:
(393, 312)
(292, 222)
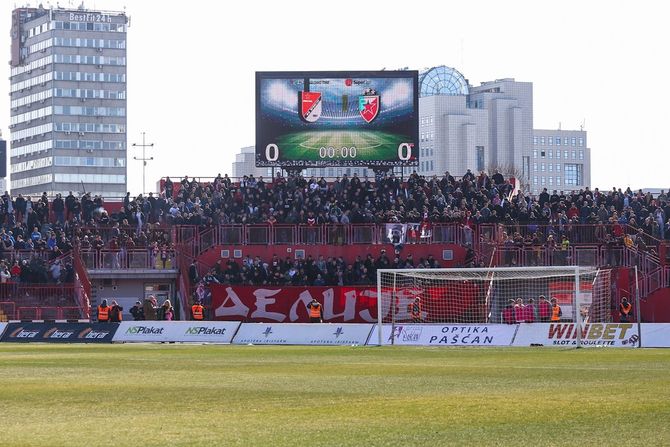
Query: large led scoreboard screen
(337, 118)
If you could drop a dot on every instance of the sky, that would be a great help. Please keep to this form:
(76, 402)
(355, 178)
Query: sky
(191, 69)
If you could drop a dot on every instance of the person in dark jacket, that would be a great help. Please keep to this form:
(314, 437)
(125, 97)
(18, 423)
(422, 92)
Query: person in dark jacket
(116, 313)
(150, 308)
(137, 311)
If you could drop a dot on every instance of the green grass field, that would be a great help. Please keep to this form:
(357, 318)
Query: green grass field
(164, 394)
(369, 144)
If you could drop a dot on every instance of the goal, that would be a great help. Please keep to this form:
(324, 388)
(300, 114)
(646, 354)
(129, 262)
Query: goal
(505, 295)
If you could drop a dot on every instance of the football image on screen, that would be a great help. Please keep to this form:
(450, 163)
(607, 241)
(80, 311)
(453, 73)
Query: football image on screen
(337, 118)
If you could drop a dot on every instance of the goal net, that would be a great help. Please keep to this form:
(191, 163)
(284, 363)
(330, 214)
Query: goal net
(493, 295)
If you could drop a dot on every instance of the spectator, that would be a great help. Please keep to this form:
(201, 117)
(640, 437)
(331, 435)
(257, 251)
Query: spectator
(150, 308)
(166, 312)
(137, 311)
(116, 313)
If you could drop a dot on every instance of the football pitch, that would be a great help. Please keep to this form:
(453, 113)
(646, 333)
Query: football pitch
(369, 144)
(210, 395)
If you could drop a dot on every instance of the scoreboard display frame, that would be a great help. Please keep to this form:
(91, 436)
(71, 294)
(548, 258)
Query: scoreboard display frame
(337, 118)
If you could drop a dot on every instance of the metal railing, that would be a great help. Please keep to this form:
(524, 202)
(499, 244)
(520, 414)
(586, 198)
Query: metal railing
(201, 239)
(128, 259)
(584, 255)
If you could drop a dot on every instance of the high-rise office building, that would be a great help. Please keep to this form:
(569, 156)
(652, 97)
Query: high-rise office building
(560, 160)
(68, 101)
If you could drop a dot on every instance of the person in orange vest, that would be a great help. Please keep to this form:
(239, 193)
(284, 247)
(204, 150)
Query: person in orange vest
(115, 312)
(103, 312)
(625, 310)
(414, 309)
(315, 311)
(197, 311)
(556, 312)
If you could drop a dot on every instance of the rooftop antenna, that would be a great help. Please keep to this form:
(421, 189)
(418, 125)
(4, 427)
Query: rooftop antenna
(583, 125)
(559, 125)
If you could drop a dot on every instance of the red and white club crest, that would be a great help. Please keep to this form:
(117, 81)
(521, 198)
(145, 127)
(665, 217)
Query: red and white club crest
(309, 104)
(368, 107)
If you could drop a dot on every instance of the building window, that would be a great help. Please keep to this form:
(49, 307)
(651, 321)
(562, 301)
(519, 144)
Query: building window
(550, 167)
(558, 141)
(541, 140)
(543, 180)
(550, 153)
(550, 140)
(574, 141)
(534, 153)
(535, 182)
(565, 141)
(480, 158)
(542, 154)
(558, 181)
(551, 181)
(565, 155)
(535, 167)
(581, 155)
(558, 167)
(574, 155)
(573, 174)
(535, 140)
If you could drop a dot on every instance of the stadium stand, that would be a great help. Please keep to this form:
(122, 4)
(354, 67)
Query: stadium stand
(481, 219)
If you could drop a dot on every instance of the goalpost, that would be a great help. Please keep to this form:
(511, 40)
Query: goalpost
(503, 295)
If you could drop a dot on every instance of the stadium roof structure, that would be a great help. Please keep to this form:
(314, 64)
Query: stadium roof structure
(442, 80)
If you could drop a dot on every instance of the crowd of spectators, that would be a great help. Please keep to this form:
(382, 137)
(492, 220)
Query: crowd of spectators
(312, 201)
(320, 271)
(469, 200)
(52, 228)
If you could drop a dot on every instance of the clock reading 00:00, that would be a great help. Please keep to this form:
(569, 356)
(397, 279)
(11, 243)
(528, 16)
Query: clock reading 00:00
(272, 152)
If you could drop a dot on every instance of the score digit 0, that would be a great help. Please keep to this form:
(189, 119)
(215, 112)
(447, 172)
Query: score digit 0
(404, 151)
(271, 152)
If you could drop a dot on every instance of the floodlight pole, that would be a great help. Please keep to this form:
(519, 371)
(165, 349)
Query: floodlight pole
(144, 160)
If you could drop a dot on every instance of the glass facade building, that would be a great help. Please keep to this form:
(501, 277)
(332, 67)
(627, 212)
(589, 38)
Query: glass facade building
(68, 102)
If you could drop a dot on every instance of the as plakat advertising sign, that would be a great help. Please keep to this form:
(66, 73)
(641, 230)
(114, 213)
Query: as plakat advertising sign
(177, 331)
(302, 334)
(447, 334)
(59, 332)
(622, 335)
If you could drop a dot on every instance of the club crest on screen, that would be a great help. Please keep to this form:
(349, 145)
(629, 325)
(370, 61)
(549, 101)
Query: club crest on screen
(368, 105)
(310, 106)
